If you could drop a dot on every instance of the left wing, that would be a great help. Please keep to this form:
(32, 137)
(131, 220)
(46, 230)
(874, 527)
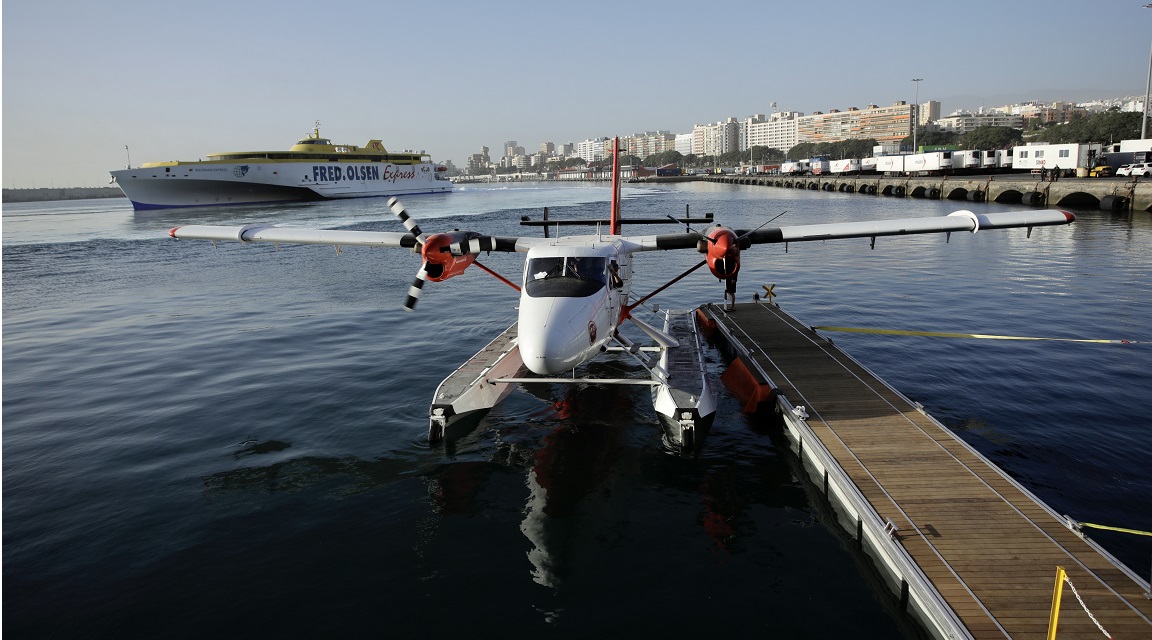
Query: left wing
(289, 235)
(296, 235)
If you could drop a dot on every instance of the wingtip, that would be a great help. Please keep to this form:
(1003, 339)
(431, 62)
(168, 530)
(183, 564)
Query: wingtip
(1071, 217)
(172, 231)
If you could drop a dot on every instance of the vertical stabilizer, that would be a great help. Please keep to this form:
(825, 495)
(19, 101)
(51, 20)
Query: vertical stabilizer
(615, 221)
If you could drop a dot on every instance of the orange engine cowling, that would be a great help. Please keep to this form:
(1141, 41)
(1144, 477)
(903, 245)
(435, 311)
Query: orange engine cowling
(723, 253)
(439, 263)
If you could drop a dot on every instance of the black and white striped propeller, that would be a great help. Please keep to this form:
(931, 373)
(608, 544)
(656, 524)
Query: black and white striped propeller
(413, 228)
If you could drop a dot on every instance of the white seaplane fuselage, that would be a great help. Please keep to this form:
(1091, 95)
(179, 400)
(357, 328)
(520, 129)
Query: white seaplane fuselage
(570, 301)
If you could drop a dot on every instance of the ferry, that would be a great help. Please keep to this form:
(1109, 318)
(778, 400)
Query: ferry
(313, 169)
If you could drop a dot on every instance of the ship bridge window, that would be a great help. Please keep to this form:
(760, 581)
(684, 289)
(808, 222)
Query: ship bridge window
(565, 277)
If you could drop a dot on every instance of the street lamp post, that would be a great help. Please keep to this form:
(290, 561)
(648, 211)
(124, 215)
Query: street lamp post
(916, 113)
(1147, 87)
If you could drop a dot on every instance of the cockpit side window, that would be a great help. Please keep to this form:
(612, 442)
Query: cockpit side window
(565, 277)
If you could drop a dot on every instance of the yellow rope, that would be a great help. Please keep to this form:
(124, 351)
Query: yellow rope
(1120, 529)
(941, 334)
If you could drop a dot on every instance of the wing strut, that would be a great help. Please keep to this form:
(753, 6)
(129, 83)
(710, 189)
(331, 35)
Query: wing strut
(496, 275)
(626, 312)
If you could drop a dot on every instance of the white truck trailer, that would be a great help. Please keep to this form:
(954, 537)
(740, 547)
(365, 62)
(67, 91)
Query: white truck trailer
(932, 162)
(841, 167)
(794, 167)
(1038, 156)
(890, 164)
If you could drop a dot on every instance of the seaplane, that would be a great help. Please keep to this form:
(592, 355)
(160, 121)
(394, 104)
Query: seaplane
(575, 296)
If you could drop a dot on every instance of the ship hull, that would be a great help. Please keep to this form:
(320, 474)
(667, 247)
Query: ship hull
(200, 184)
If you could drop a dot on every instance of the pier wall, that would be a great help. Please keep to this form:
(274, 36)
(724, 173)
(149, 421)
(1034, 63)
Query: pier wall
(1088, 193)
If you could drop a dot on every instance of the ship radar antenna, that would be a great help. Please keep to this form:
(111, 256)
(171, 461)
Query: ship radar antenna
(316, 130)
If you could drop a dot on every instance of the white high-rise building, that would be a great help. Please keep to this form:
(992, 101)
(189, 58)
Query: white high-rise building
(778, 131)
(591, 150)
(716, 139)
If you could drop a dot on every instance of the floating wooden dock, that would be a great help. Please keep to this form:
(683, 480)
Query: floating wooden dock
(971, 552)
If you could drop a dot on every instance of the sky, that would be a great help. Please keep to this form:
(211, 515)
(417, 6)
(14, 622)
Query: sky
(83, 80)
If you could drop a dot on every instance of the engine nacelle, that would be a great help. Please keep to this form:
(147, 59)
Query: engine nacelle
(439, 263)
(723, 252)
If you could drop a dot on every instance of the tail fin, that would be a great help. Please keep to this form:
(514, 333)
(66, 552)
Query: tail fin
(614, 224)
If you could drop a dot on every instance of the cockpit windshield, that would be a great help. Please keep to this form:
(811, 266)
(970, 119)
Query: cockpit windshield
(565, 277)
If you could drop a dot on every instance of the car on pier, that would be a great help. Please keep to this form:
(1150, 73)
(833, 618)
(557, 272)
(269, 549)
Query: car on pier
(1138, 169)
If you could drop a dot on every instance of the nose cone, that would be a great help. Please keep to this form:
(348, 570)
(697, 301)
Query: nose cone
(555, 334)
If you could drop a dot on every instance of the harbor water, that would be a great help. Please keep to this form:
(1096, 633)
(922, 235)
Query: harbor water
(216, 441)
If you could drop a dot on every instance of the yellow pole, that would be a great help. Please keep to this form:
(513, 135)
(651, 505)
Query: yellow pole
(1057, 591)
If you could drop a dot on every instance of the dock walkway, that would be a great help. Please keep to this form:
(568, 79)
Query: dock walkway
(983, 550)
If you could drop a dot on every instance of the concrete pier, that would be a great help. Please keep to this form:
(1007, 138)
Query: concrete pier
(1088, 193)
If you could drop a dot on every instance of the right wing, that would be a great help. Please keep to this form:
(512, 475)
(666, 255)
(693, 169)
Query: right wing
(957, 221)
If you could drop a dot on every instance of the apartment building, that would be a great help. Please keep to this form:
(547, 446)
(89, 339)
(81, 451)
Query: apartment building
(963, 123)
(884, 124)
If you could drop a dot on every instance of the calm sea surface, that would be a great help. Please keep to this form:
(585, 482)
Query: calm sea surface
(217, 442)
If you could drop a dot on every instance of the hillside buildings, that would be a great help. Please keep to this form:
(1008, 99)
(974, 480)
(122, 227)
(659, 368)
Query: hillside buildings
(962, 123)
(783, 130)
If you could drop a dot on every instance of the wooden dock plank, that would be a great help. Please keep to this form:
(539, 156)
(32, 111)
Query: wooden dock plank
(988, 546)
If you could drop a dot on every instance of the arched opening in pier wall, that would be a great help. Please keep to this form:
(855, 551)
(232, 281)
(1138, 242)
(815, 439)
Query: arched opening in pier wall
(1080, 200)
(1009, 196)
(959, 193)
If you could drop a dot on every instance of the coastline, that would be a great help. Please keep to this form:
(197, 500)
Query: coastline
(62, 193)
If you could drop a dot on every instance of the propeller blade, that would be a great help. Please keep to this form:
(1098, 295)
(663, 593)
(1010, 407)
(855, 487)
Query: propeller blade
(409, 222)
(414, 290)
(748, 233)
(691, 230)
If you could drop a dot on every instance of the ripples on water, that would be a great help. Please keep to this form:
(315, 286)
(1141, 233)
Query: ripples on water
(205, 441)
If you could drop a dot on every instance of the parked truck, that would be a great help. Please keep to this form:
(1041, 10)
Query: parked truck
(1039, 156)
(841, 167)
(933, 162)
(794, 167)
(890, 164)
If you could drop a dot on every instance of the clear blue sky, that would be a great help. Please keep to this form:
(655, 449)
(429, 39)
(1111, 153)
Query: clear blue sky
(178, 80)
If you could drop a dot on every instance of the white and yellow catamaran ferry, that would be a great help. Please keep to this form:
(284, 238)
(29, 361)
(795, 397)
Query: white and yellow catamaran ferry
(312, 169)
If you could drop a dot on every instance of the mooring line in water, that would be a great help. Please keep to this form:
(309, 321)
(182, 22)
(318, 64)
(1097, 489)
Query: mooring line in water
(942, 334)
(1076, 526)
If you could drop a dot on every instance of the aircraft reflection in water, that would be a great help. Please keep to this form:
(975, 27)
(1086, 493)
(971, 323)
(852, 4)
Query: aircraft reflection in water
(572, 482)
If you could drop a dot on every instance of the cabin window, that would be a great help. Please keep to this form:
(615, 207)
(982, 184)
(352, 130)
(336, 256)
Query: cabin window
(1023, 154)
(565, 277)
(1064, 153)
(1039, 154)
